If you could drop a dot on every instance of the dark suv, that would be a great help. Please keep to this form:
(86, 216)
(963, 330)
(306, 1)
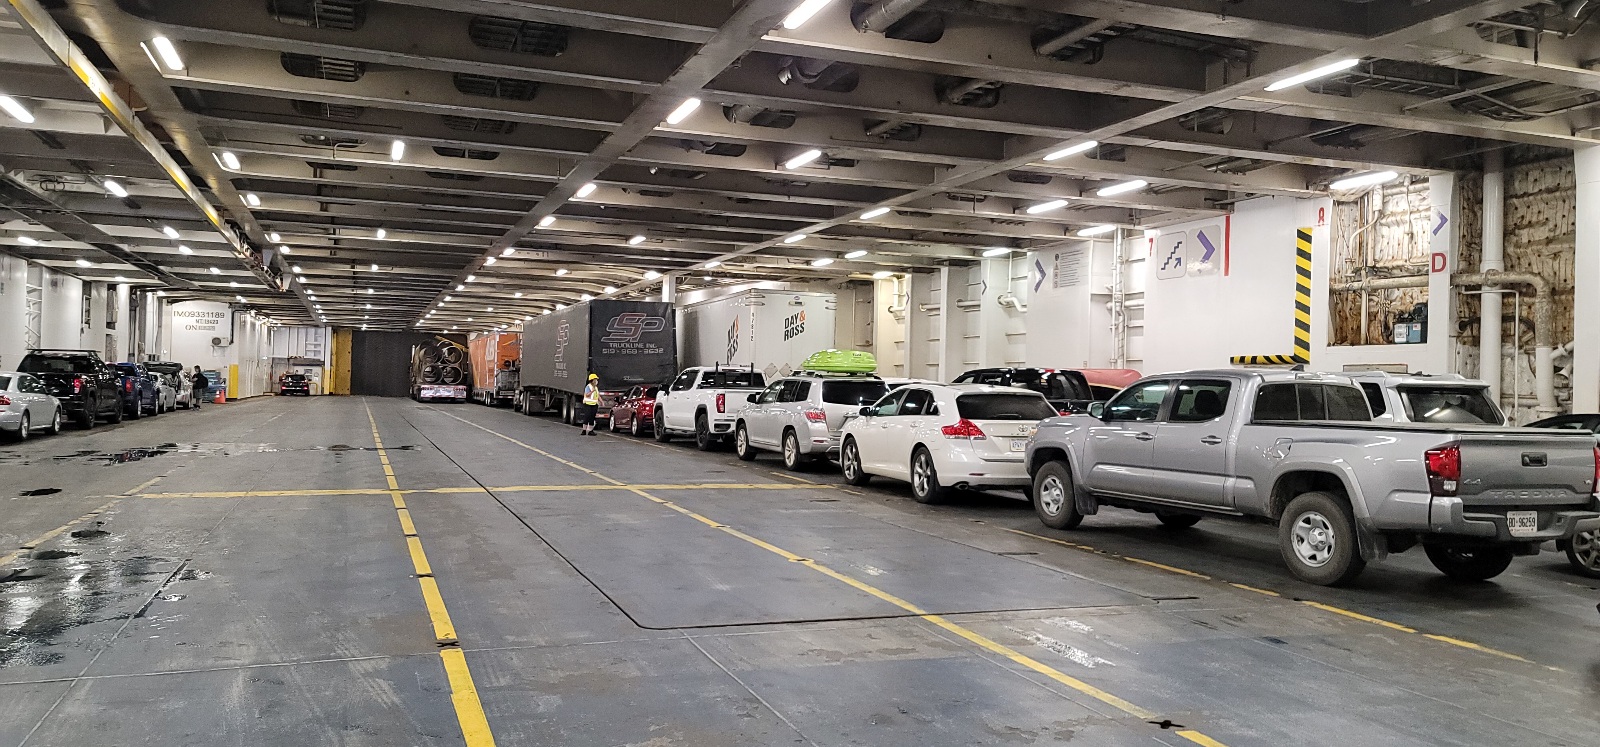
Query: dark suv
(293, 383)
(1067, 390)
(87, 387)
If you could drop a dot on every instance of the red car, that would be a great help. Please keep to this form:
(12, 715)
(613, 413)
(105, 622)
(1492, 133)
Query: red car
(636, 410)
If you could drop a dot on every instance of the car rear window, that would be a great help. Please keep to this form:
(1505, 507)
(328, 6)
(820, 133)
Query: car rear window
(1453, 404)
(998, 406)
(5, 382)
(732, 380)
(857, 393)
(126, 368)
(52, 364)
(296, 377)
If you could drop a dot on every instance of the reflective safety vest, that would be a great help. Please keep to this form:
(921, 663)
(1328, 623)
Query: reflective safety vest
(591, 395)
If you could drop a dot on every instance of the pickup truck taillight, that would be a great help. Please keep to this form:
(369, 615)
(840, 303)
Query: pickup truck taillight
(722, 403)
(1444, 470)
(127, 385)
(964, 429)
(77, 385)
(816, 416)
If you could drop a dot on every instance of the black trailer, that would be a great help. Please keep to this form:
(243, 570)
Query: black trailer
(624, 342)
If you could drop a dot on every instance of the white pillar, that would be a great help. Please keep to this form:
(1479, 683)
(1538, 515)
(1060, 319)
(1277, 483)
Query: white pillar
(951, 326)
(669, 289)
(1445, 223)
(1586, 302)
(1494, 258)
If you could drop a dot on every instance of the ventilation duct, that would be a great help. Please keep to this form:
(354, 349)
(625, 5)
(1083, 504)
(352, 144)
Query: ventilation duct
(892, 130)
(1210, 120)
(323, 68)
(328, 141)
(326, 111)
(730, 150)
(687, 174)
(474, 124)
(1108, 152)
(476, 155)
(1028, 177)
(819, 75)
(511, 35)
(339, 15)
(898, 19)
(325, 166)
(453, 177)
(1083, 43)
(496, 88)
(756, 116)
(974, 92)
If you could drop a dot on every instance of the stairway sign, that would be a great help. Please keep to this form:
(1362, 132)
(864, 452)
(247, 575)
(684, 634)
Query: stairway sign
(1170, 258)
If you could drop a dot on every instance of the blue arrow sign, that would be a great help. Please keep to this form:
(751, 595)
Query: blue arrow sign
(1205, 241)
(1039, 265)
(1442, 220)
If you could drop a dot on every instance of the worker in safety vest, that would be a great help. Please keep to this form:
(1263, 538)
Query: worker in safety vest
(590, 404)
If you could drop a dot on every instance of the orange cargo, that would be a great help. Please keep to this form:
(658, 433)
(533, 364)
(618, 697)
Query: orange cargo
(496, 357)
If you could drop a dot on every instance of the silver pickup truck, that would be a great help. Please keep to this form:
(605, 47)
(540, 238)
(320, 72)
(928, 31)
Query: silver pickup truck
(1300, 450)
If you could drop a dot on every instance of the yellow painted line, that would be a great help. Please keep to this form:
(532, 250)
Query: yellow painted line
(469, 710)
(270, 493)
(1167, 568)
(534, 449)
(444, 631)
(788, 476)
(1199, 738)
(1476, 647)
(1358, 616)
(52, 534)
(968, 634)
(1267, 592)
(143, 486)
(463, 692)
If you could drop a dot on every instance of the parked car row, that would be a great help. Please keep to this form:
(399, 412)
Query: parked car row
(1348, 468)
(50, 387)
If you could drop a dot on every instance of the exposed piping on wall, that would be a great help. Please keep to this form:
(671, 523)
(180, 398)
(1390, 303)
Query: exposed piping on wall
(1072, 36)
(886, 13)
(1494, 261)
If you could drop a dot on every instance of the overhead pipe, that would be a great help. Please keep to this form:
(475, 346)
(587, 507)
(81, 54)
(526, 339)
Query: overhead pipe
(1493, 261)
(1544, 367)
(1072, 36)
(885, 13)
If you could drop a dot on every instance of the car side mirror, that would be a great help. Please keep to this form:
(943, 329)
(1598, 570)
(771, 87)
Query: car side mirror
(752, 397)
(1098, 409)
(866, 411)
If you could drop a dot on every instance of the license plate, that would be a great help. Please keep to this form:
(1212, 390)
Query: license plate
(1019, 444)
(1522, 523)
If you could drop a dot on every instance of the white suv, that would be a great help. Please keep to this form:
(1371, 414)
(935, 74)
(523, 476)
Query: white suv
(800, 416)
(945, 435)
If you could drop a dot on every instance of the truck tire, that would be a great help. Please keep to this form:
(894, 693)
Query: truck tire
(925, 487)
(1171, 520)
(1055, 497)
(703, 440)
(741, 443)
(1470, 563)
(1583, 552)
(1317, 538)
(116, 414)
(660, 428)
(137, 411)
(86, 418)
(850, 464)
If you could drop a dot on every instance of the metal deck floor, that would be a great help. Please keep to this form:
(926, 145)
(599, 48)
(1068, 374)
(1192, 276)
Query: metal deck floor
(263, 573)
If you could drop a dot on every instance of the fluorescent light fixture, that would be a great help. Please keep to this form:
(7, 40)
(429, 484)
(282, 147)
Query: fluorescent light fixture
(381, 234)
(586, 297)
(608, 290)
(171, 232)
(546, 312)
(508, 251)
(161, 293)
(184, 249)
(1072, 150)
(1152, 233)
(16, 110)
(711, 264)
(822, 262)
(518, 294)
(28, 240)
(490, 260)
(561, 271)
(802, 159)
(791, 238)
(882, 275)
(230, 161)
(635, 241)
(215, 271)
(369, 291)
(875, 212)
(1123, 188)
(996, 251)
(683, 111)
(1045, 207)
(803, 13)
(296, 269)
(857, 254)
(233, 283)
(1310, 75)
(472, 278)
(651, 274)
(275, 238)
(1364, 180)
(168, 53)
(1097, 230)
(123, 279)
(252, 199)
(241, 300)
(84, 263)
(546, 221)
(397, 150)
(284, 250)
(114, 188)
(560, 306)
(586, 190)
(486, 308)
(459, 287)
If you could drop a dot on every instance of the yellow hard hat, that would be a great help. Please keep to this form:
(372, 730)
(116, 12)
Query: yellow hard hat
(594, 377)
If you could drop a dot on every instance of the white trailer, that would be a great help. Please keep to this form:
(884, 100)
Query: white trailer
(772, 331)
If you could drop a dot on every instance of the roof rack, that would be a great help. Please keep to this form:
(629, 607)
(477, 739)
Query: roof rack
(63, 350)
(835, 374)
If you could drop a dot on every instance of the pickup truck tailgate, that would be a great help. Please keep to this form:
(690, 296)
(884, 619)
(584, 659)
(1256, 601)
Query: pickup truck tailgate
(1525, 467)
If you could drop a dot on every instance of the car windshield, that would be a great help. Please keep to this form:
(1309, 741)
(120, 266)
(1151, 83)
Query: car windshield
(998, 406)
(856, 393)
(1449, 404)
(56, 364)
(732, 379)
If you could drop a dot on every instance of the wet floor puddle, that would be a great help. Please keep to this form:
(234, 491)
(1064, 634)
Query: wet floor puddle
(45, 607)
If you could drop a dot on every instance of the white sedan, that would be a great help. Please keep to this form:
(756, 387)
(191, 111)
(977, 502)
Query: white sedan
(939, 436)
(26, 406)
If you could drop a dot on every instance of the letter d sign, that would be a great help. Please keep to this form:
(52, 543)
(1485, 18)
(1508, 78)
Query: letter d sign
(1439, 262)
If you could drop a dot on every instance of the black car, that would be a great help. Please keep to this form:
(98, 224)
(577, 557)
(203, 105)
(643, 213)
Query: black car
(294, 384)
(1067, 390)
(87, 387)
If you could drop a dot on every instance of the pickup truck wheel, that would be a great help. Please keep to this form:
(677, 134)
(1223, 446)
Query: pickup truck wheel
(116, 414)
(925, 487)
(137, 412)
(850, 464)
(661, 433)
(86, 418)
(1317, 538)
(703, 440)
(741, 443)
(1470, 563)
(1172, 520)
(1055, 498)
(1583, 552)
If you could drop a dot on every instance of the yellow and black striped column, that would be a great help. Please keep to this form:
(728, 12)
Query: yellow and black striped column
(1302, 310)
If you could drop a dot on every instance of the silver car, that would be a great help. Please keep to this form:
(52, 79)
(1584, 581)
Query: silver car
(166, 391)
(800, 416)
(27, 407)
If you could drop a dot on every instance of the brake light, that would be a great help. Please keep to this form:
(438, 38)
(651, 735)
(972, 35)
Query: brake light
(127, 385)
(77, 384)
(964, 429)
(1444, 470)
(4, 400)
(722, 402)
(816, 416)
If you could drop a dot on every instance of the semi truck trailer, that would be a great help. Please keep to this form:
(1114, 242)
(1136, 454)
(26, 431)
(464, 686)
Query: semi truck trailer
(624, 342)
(770, 332)
(439, 371)
(496, 367)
